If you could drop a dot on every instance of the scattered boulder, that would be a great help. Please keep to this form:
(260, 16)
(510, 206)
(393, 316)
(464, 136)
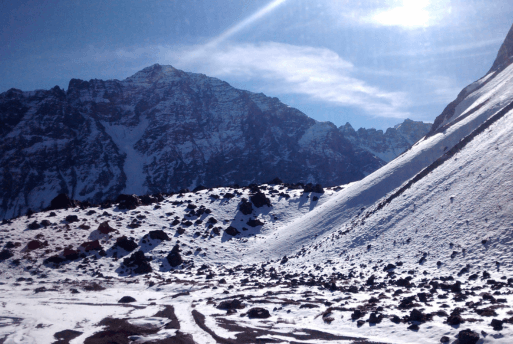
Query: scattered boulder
(174, 259)
(374, 318)
(65, 336)
(230, 304)
(259, 313)
(317, 188)
(91, 246)
(33, 226)
(62, 201)
(497, 324)
(34, 245)
(259, 200)
(246, 207)
(357, 314)
(254, 223)
(468, 337)
(129, 202)
(231, 231)
(5, 254)
(104, 228)
(389, 267)
(444, 339)
(126, 244)
(416, 315)
(199, 188)
(127, 299)
(276, 181)
(159, 235)
(71, 218)
(70, 254)
(138, 261)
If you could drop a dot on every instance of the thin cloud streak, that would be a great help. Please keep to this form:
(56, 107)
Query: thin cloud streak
(318, 73)
(448, 49)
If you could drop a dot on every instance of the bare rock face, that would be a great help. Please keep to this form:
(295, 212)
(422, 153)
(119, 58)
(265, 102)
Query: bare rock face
(505, 54)
(159, 130)
(387, 146)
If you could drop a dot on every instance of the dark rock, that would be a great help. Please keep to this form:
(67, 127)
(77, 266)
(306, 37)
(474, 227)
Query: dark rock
(468, 337)
(127, 299)
(65, 336)
(70, 254)
(62, 201)
(357, 314)
(71, 218)
(5, 254)
(147, 200)
(138, 261)
(34, 225)
(34, 245)
(395, 319)
(360, 323)
(375, 318)
(389, 267)
(497, 324)
(254, 223)
(231, 231)
(259, 313)
(159, 235)
(444, 339)
(91, 246)
(104, 228)
(259, 200)
(46, 223)
(246, 207)
(230, 304)
(413, 327)
(199, 188)
(129, 202)
(454, 319)
(184, 190)
(174, 259)
(317, 188)
(275, 181)
(416, 315)
(126, 244)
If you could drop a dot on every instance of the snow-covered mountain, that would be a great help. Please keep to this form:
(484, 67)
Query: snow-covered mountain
(420, 251)
(160, 130)
(389, 145)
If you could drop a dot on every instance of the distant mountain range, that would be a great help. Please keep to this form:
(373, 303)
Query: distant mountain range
(162, 130)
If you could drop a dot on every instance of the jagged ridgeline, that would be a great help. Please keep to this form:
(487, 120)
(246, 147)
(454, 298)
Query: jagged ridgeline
(162, 130)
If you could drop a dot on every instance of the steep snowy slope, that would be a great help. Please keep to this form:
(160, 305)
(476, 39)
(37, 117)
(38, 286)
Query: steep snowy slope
(478, 103)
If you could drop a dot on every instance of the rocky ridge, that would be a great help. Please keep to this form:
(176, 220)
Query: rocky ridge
(159, 130)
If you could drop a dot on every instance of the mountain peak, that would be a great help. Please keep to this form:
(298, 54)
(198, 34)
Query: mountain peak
(152, 74)
(505, 55)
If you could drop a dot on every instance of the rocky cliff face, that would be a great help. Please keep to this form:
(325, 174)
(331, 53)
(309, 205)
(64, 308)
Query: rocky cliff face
(387, 146)
(159, 130)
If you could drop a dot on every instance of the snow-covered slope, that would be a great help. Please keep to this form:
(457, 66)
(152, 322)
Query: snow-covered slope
(417, 252)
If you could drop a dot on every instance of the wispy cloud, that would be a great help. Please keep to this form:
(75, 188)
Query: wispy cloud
(450, 49)
(318, 73)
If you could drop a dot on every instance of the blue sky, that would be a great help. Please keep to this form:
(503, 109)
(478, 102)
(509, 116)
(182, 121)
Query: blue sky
(370, 63)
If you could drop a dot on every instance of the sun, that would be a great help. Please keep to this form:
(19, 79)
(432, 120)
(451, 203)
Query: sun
(412, 14)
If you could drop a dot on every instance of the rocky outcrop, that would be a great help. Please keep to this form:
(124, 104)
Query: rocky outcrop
(386, 146)
(159, 130)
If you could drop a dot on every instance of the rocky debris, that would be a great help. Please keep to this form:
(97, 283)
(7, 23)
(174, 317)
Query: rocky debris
(497, 324)
(357, 314)
(126, 244)
(5, 254)
(254, 223)
(230, 305)
(64, 337)
(104, 228)
(317, 188)
(374, 318)
(70, 254)
(71, 218)
(62, 201)
(245, 207)
(259, 313)
(173, 258)
(138, 262)
(35, 244)
(127, 299)
(91, 246)
(33, 225)
(159, 235)
(468, 337)
(231, 231)
(444, 339)
(128, 202)
(416, 315)
(260, 199)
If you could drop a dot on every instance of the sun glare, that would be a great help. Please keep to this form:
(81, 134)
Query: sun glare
(412, 14)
